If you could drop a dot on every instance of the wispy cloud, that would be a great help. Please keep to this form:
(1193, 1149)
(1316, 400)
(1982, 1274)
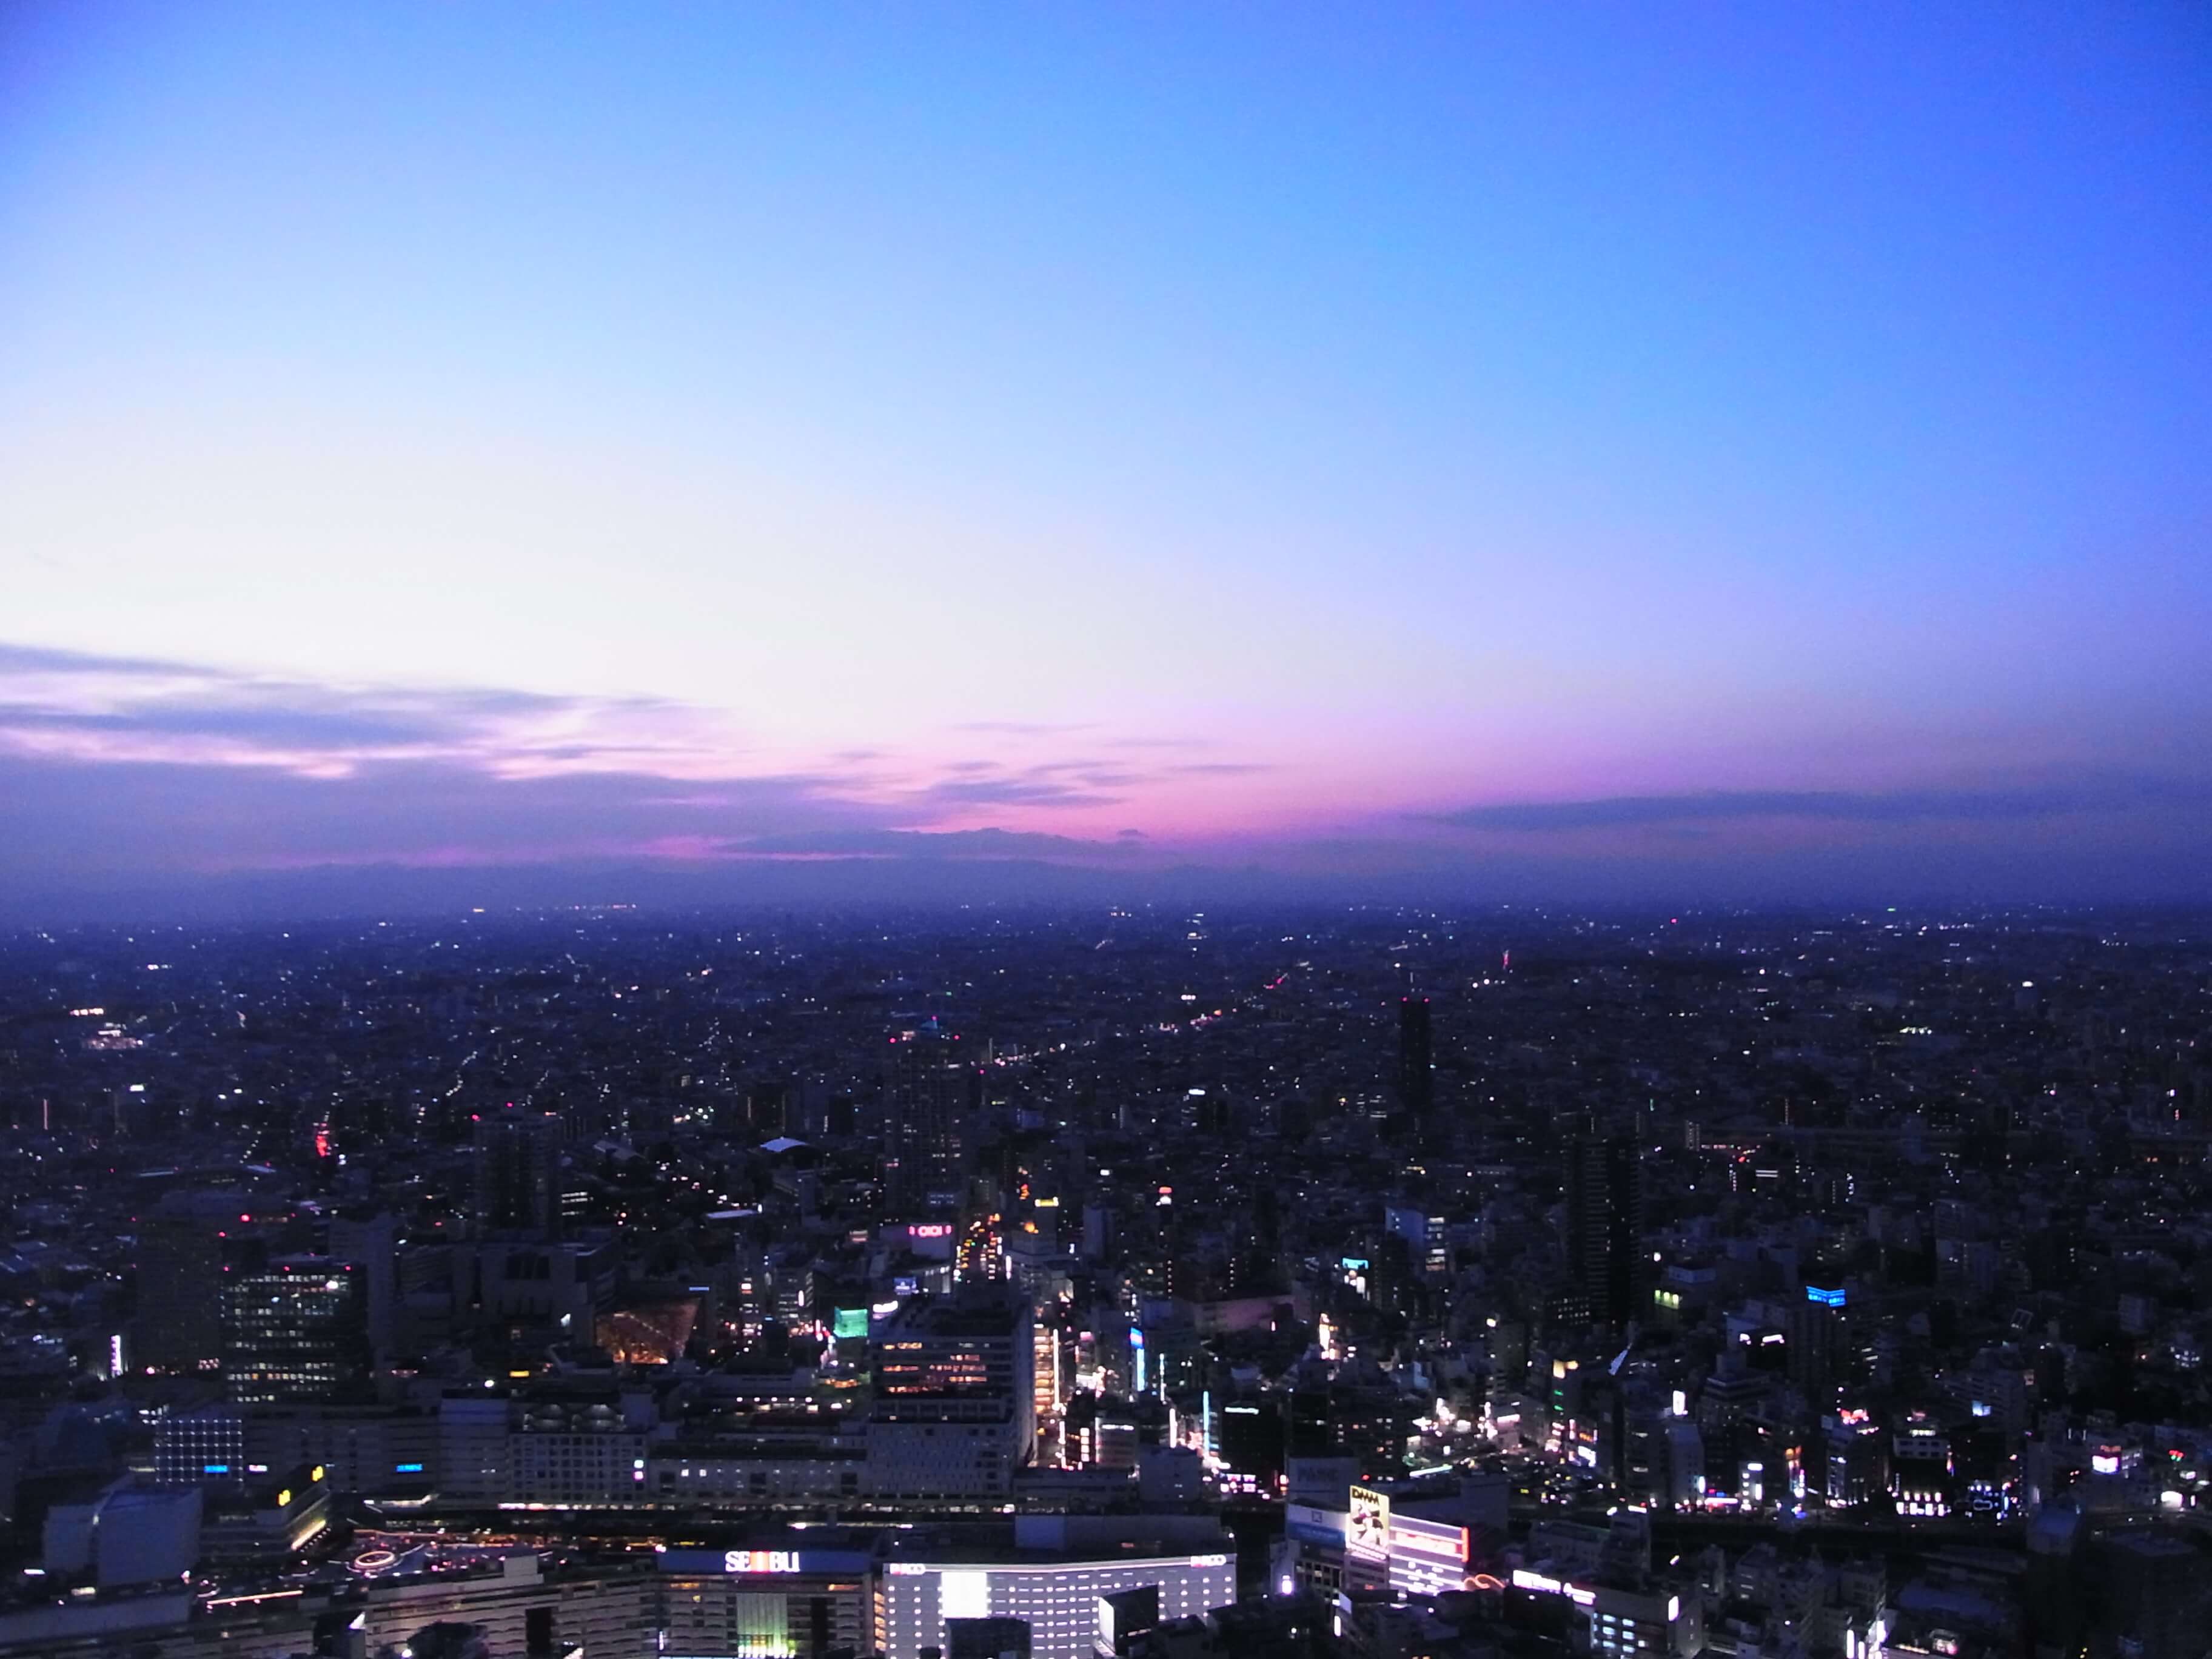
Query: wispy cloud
(1919, 806)
(72, 707)
(132, 770)
(1020, 789)
(934, 844)
(151, 817)
(132, 763)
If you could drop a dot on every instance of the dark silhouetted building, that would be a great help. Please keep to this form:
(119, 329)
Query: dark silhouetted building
(1126, 1616)
(371, 1243)
(1416, 1075)
(518, 1164)
(1604, 1227)
(180, 1255)
(988, 1638)
(927, 1090)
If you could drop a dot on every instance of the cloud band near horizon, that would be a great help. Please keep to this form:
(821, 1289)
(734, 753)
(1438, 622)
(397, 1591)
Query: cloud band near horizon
(126, 768)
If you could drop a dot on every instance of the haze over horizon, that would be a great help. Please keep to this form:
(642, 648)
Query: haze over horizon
(1552, 452)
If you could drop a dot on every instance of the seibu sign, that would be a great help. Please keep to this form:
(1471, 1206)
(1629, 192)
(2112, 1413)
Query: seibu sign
(760, 1561)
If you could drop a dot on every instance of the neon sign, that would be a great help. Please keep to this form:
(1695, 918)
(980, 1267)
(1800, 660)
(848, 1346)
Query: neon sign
(1543, 1585)
(1408, 1537)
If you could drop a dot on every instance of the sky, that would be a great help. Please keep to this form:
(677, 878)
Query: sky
(1663, 453)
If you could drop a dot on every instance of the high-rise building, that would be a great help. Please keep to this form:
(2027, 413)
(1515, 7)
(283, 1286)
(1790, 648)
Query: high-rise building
(2155, 1595)
(1604, 1227)
(371, 1243)
(928, 1089)
(1416, 1075)
(295, 1330)
(955, 1393)
(1428, 1243)
(180, 1257)
(518, 1163)
(1815, 1344)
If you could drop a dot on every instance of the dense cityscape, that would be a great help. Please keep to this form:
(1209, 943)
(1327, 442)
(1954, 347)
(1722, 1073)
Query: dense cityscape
(1074, 831)
(1365, 1281)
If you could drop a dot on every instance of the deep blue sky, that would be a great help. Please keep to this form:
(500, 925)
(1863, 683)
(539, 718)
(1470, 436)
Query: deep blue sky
(1697, 448)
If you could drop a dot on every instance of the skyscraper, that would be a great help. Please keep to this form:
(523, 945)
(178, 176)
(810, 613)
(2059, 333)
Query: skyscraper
(927, 1100)
(1415, 1075)
(955, 1400)
(1604, 1227)
(180, 1255)
(518, 1162)
(371, 1243)
(295, 1330)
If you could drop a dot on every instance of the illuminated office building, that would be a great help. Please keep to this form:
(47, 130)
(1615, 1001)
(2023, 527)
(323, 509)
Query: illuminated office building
(295, 1330)
(955, 1408)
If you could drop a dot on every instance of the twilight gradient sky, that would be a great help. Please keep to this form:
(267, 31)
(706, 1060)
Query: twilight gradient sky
(1752, 451)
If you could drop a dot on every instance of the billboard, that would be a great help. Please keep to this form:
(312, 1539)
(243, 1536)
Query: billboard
(1312, 1523)
(1437, 1540)
(1367, 1527)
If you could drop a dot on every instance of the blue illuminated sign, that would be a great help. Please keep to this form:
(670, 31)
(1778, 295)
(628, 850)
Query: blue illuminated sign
(1826, 1298)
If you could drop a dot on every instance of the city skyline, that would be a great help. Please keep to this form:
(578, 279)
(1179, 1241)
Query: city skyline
(726, 455)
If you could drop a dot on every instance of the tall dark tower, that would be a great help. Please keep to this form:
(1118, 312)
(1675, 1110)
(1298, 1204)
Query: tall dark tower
(518, 1163)
(927, 1092)
(1604, 1227)
(1415, 1078)
(181, 1262)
